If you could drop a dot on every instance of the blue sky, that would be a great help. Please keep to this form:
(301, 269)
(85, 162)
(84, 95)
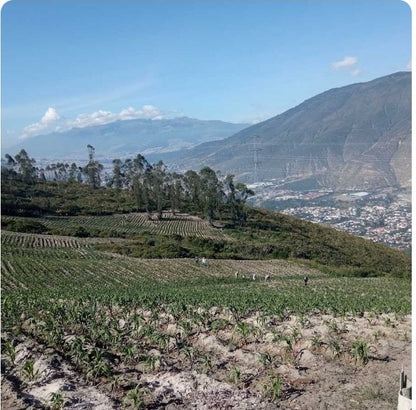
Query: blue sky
(78, 63)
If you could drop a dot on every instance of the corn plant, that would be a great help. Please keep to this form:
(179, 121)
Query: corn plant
(134, 399)
(56, 401)
(235, 375)
(29, 371)
(265, 359)
(10, 351)
(273, 387)
(361, 351)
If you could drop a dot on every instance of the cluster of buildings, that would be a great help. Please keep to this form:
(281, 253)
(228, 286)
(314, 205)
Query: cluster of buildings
(384, 216)
(390, 225)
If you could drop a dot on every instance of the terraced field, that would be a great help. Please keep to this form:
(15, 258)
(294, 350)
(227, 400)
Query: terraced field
(134, 224)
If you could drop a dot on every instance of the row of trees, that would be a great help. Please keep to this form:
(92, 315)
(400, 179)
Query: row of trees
(154, 189)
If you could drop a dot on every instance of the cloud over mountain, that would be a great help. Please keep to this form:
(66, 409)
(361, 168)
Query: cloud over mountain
(52, 121)
(46, 122)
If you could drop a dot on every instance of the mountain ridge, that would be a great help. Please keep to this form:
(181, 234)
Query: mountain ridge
(355, 137)
(122, 138)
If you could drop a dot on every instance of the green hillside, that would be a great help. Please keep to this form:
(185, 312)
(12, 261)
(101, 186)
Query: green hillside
(61, 208)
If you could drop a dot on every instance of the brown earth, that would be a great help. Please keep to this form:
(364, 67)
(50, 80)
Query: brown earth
(312, 361)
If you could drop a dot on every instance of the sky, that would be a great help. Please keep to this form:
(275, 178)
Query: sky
(77, 63)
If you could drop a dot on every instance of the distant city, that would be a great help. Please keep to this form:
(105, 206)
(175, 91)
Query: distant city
(383, 216)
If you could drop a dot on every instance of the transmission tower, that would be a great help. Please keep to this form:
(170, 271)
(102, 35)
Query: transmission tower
(256, 161)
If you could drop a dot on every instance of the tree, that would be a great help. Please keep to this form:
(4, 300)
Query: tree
(75, 173)
(211, 192)
(26, 166)
(175, 190)
(241, 195)
(158, 178)
(117, 179)
(93, 169)
(192, 189)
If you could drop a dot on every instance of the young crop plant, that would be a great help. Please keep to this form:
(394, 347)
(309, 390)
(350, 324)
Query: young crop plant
(265, 359)
(130, 354)
(316, 342)
(151, 361)
(29, 371)
(135, 399)
(335, 345)
(206, 363)
(10, 351)
(244, 331)
(273, 387)
(361, 352)
(56, 401)
(235, 375)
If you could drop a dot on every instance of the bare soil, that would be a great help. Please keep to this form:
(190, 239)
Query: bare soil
(312, 364)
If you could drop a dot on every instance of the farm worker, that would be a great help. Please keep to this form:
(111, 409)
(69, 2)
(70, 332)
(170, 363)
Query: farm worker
(267, 277)
(305, 280)
(196, 259)
(204, 262)
(254, 276)
(236, 274)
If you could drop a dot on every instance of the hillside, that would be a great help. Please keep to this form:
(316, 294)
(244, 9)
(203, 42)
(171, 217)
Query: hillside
(353, 137)
(145, 333)
(77, 210)
(111, 310)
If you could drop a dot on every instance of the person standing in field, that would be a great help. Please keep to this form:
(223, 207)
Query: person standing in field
(204, 262)
(305, 280)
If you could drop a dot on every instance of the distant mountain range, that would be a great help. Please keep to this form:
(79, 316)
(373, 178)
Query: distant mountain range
(127, 138)
(353, 137)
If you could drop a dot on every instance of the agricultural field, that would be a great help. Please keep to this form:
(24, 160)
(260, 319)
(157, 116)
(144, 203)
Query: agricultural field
(87, 328)
(131, 224)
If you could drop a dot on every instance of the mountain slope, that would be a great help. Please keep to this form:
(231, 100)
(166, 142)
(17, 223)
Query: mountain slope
(354, 137)
(127, 138)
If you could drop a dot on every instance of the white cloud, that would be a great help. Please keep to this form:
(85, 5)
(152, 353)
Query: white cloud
(52, 121)
(48, 120)
(50, 116)
(147, 111)
(105, 117)
(347, 61)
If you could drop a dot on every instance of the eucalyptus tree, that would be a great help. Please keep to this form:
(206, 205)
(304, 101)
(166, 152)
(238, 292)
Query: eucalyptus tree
(26, 166)
(74, 173)
(236, 198)
(158, 182)
(192, 189)
(175, 190)
(211, 192)
(116, 181)
(93, 169)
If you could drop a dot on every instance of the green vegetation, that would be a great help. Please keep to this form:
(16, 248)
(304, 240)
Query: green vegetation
(105, 313)
(110, 278)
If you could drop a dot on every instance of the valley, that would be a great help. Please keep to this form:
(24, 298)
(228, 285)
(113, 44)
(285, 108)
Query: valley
(383, 215)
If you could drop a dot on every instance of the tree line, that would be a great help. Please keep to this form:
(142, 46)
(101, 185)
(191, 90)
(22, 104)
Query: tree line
(206, 193)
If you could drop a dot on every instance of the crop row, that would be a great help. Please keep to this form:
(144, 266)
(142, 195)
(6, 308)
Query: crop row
(27, 240)
(133, 224)
(50, 268)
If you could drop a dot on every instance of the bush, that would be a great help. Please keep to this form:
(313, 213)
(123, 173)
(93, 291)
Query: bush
(26, 226)
(81, 232)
